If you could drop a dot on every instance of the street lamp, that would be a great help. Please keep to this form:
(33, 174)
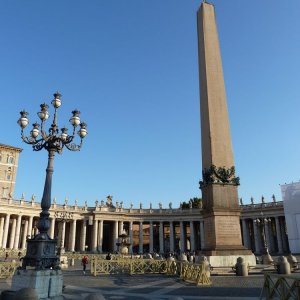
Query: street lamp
(261, 223)
(41, 248)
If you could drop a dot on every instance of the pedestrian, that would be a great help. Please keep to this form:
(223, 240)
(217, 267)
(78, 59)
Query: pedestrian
(84, 262)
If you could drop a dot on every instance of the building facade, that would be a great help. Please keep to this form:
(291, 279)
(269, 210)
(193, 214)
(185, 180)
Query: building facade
(97, 229)
(9, 157)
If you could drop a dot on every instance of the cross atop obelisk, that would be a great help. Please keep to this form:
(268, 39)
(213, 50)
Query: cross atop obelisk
(221, 212)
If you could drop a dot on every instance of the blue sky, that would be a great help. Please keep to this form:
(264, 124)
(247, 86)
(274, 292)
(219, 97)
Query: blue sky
(131, 68)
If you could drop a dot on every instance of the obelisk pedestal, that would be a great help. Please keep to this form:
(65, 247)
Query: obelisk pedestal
(221, 213)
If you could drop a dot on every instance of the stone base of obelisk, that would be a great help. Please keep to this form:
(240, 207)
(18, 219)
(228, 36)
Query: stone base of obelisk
(48, 284)
(222, 229)
(230, 260)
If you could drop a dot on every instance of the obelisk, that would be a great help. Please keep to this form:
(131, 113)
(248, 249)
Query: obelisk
(221, 213)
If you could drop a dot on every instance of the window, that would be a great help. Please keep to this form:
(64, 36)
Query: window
(10, 158)
(8, 174)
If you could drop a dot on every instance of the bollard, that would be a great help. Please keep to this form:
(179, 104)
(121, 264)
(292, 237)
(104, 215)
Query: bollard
(292, 261)
(267, 259)
(283, 266)
(203, 260)
(183, 257)
(241, 268)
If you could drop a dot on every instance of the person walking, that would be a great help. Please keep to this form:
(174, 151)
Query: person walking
(84, 262)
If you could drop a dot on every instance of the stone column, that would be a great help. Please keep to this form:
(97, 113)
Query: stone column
(245, 234)
(63, 234)
(100, 236)
(267, 233)
(130, 236)
(17, 235)
(172, 240)
(95, 235)
(52, 228)
(256, 238)
(182, 235)
(29, 231)
(271, 246)
(192, 236)
(5, 234)
(278, 235)
(1, 230)
(115, 239)
(151, 237)
(35, 229)
(73, 236)
(141, 238)
(13, 233)
(161, 237)
(23, 245)
(83, 235)
(202, 240)
(284, 238)
(121, 224)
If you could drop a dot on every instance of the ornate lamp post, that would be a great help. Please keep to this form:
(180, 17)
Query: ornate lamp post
(261, 223)
(41, 249)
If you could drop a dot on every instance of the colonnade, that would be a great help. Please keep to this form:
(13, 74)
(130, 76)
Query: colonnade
(94, 231)
(272, 230)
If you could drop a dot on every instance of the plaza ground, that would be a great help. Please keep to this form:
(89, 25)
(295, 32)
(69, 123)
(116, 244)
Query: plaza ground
(156, 286)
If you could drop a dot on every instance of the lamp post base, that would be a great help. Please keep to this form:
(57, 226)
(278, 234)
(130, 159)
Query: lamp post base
(48, 284)
(41, 253)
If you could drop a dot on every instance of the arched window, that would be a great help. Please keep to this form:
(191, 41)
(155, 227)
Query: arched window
(10, 159)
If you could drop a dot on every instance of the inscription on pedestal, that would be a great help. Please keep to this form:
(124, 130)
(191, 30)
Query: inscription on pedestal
(228, 228)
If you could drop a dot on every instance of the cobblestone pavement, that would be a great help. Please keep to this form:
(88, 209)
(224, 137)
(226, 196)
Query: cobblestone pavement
(160, 287)
(140, 287)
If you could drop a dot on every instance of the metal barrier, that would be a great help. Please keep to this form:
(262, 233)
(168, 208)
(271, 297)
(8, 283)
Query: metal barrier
(12, 253)
(196, 273)
(128, 266)
(285, 287)
(7, 269)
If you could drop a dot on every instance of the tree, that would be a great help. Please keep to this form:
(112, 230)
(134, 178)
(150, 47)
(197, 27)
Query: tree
(196, 203)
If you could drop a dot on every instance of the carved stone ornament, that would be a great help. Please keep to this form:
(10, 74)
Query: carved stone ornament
(220, 175)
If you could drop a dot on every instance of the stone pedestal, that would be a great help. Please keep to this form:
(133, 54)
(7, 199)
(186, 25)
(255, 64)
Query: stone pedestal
(230, 260)
(48, 284)
(223, 240)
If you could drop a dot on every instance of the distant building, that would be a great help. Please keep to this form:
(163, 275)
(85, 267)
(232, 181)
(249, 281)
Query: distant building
(9, 157)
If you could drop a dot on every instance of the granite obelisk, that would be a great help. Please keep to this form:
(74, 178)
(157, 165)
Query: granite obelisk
(221, 213)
